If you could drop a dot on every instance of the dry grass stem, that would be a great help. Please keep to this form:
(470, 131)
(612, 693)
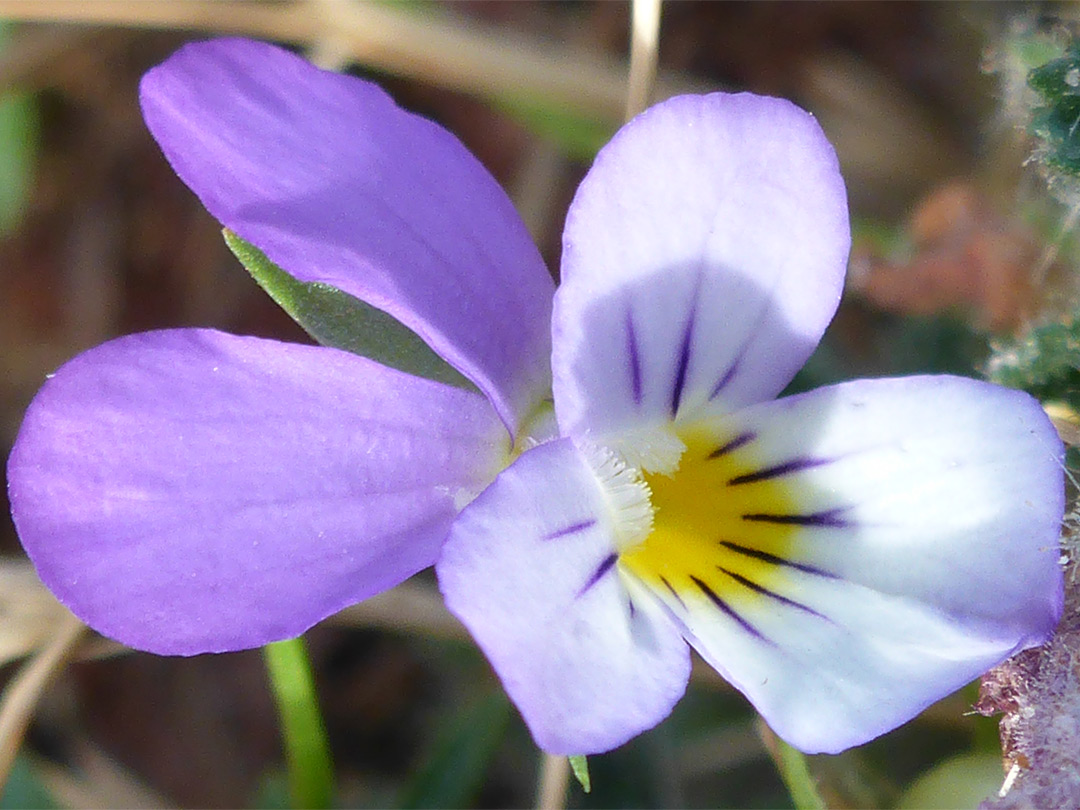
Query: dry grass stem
(330, 52)
(553, 783)
(644, 49)
(432, 45)
(21, 695)
(96, 782)
(29, 614)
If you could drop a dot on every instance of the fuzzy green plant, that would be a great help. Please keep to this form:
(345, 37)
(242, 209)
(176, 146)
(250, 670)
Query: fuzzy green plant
(1056, 121)
(1045, 362)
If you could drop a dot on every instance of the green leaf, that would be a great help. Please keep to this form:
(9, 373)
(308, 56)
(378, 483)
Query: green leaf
(458, 760)
(579, 764)
(335, 318)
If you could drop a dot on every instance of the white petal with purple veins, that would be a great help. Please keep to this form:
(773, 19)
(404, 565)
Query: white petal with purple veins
(703, 256)
(531, 569)
(899, 537)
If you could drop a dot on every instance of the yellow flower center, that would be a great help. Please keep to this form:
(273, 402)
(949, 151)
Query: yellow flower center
(724, 525)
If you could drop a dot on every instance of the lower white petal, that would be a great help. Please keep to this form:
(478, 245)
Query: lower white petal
(868, 549)
(531, 568)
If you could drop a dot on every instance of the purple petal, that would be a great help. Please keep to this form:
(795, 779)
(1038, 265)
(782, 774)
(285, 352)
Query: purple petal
(189, 491)
(919, 551)
(337, 184)
(530, 568)
(704, 254)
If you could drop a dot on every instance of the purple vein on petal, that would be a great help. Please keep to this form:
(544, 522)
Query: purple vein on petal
(573, 528)
(778, 470)
(728, 611)
(598, 574)
(684, 352)
(673, 592)
(829, 519)
(726, 378)
(761, 589)
(635, 358)
(772, 559)
(734, 444)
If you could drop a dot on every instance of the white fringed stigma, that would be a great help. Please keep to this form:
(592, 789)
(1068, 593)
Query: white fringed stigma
(653, 449)
(628, 497)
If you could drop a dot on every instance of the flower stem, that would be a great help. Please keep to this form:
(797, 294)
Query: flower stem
(797, 778)
(307, 750)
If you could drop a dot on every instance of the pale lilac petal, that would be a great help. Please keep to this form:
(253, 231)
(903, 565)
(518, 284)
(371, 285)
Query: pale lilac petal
(337, 184)
(896, 539)
(837, 664)
(703, 256)
(531, 570)
(189, 491)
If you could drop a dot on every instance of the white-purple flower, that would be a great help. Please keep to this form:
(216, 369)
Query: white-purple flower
(844, 557)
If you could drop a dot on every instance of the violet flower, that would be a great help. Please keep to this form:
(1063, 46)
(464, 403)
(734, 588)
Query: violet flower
(844, 557)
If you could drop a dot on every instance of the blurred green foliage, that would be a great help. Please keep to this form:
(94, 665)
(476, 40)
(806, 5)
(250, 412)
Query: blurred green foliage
(1045, 363)
(956, 782)
(24, 788)
(578, 136)
(795, 771)
(457, 763)
(1057, 120)
(19, 131)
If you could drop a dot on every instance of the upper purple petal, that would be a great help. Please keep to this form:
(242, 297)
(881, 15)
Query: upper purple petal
(189, 491)
(704, 254)
(337, 184)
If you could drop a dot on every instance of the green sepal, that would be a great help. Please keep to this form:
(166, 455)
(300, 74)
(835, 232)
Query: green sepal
(335, 318)
(579, 764)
